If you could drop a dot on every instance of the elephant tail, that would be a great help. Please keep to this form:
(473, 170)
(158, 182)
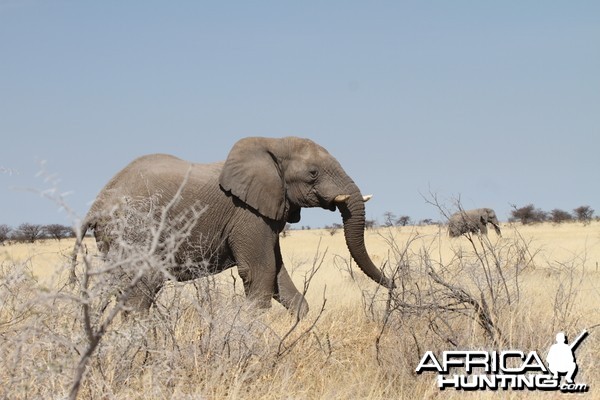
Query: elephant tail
(80, 235)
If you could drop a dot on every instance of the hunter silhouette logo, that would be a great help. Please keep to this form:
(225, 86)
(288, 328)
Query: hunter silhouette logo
(561, 357)
(507, 369)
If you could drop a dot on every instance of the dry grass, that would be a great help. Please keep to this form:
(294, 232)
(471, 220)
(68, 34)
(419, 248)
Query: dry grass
(204, 341)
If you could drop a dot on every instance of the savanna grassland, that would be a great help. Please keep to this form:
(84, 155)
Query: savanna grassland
(203, 339)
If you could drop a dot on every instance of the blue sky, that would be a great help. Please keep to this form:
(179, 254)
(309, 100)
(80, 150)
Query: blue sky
(497, 103)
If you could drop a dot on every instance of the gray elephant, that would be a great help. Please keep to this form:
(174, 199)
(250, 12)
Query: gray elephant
(473, 221)
(248, 199)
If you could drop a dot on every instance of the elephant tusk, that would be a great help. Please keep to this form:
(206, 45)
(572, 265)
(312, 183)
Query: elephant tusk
(367, 197)
(341, 198)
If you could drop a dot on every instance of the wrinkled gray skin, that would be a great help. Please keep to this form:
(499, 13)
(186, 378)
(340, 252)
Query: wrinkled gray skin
(473, 221)
(250, 197)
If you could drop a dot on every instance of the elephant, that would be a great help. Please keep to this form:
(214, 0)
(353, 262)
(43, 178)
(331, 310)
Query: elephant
(474, 221)
(248, 199)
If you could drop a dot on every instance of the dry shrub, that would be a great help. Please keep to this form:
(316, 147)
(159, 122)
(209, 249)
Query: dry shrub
(489, 295)
(36, 336)
(203, 339)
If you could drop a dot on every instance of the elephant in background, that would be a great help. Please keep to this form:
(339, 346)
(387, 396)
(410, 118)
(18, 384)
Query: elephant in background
(473, 221)
(248, 199)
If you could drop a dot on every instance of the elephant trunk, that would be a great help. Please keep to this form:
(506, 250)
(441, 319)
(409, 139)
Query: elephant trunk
(353, 215)
(497, 228)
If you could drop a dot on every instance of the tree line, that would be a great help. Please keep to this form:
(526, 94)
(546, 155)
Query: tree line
(528, 214)
(27, 232)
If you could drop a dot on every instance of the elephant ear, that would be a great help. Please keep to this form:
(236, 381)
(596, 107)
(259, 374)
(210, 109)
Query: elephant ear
(252, 174)
(483, 218)
(486, 215)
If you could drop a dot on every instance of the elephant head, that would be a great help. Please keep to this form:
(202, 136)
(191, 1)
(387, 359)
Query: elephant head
(488, 216)
(278, 177)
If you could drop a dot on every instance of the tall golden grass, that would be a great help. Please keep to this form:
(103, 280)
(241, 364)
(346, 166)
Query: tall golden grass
(204, 341)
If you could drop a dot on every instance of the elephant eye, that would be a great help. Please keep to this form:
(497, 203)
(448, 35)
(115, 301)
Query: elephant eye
(313, 173)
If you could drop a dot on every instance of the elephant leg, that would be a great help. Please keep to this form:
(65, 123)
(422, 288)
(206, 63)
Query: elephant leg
(289, 296)
(286, 292)
(258, 273)
(483, 229)
(143, 295)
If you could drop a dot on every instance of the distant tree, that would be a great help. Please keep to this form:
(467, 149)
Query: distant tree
(559, 216)
(403, 220)
(4, 233)
(57, 231)
(286, 230)
(333, 228)
(528, 214)
(370, 223)
(584, 214)
(389, 218)
(426, 221)
(29, 232)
